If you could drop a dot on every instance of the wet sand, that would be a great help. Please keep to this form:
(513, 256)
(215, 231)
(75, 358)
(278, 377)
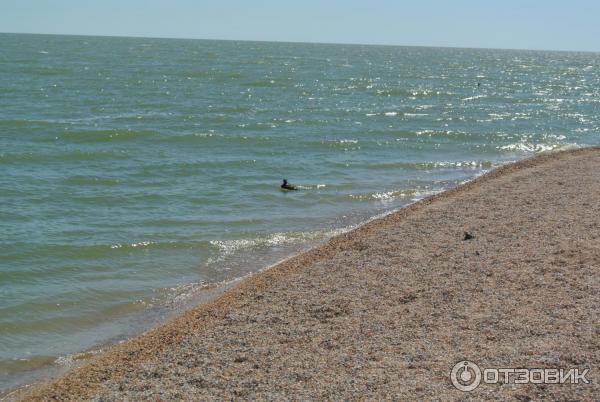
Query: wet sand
(386, 310)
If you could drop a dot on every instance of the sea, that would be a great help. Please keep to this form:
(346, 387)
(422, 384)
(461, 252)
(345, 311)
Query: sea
(137, 174)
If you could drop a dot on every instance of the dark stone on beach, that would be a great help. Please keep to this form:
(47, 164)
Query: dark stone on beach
(468, 236)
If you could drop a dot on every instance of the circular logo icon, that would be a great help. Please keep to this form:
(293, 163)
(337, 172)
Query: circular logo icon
(465, 376)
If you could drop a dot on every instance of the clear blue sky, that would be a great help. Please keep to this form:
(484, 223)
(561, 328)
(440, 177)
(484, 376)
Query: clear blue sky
(529, 24)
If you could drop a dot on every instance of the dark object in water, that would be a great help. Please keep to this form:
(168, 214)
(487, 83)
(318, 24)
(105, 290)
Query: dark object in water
(468, 236)
(287, 186)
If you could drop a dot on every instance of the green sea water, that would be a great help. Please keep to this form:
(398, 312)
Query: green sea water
(134, 168)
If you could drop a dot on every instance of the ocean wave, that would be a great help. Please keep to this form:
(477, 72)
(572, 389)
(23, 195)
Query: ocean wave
(69, 156)
(381, 195)
(32, 123)
(464, 164)
(395, 113)
(186, 169)
(160, 245)
(410, 93)
(108, 305)
(19, 252)
(339, 143)
(93, 136)
(213, 138)
(227, 248)
(313, 187)
(386, 196)
(531, 147)
(468, 98)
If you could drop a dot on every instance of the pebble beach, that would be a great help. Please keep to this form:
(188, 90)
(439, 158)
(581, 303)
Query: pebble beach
(501, 271)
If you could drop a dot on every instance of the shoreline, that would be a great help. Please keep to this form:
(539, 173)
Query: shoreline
(182, 303)
(59, 366)
(118, 359)
(169, 310)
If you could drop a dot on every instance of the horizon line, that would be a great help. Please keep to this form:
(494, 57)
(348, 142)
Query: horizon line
(298, 42)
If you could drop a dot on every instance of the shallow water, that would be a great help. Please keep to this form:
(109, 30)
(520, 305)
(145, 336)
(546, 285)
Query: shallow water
(132, 167)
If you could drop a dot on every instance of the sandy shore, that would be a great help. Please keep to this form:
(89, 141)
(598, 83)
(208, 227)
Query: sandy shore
(385, 311)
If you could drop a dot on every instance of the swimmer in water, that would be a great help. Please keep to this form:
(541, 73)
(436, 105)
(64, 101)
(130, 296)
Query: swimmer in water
(287, 186)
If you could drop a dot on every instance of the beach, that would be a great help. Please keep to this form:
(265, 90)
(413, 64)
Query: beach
(129, 185)
(501, 271)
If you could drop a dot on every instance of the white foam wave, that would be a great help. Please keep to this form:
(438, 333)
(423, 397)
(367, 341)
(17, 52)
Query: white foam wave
(229, 247)
(473, 97)
(134, 245)
(525, 146)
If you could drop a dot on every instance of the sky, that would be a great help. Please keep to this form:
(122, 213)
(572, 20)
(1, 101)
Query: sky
(513, 24)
